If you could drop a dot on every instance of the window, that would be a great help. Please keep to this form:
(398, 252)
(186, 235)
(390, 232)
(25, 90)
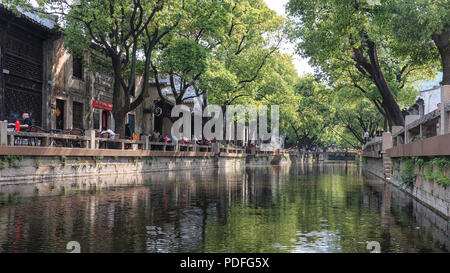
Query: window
(59, 114)
(77, 67)
(78, 115)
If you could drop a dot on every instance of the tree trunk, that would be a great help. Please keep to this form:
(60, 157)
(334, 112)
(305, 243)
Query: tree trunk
(119, 119)
(373, 68)
(121, 102)
(442, 42)
(390, 105)
(147, 122)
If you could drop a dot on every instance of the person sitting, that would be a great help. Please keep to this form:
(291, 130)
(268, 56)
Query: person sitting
(194, 139)
(107, 133)
(27, 120)
(155, 136)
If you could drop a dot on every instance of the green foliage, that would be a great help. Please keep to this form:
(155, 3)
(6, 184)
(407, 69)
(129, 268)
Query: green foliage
(364, 160)
(76, 163)
(395, 167)
(53, 165)
(414, 27)
(346, 41)
(63, 160)
(37, 163)
(408, 173)
(97, 159)
(137, 159)
(418, 138)
(14, 160)
(435, 171)
(2, 163)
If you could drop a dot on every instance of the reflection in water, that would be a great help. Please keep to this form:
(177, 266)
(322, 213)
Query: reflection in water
(301, 208)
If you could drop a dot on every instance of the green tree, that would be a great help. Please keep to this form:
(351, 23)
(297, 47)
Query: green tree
(343, 39)
(124, 31)
(235, 66)
(422, 30)
(183, 57)
(356, 116)
(311, 123)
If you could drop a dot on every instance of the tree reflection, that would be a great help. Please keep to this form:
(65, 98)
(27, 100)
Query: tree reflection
(301, 208)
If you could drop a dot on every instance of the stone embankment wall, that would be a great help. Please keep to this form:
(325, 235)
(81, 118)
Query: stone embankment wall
(35, 169)
(428, 192)
(420, 168)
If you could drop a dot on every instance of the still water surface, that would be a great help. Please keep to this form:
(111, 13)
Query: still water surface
(298, 208)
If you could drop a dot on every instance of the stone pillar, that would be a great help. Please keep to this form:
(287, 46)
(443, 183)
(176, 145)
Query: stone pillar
(387, 142)
(3, 133)
(147, 142)
(91, 135)
(445, 116)
(215, 148)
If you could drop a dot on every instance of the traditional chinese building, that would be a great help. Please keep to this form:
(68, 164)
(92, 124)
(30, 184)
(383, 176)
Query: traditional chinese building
(40, 77)
(23, 65)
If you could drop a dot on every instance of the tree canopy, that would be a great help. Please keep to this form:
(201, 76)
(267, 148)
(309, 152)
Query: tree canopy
(347, 43)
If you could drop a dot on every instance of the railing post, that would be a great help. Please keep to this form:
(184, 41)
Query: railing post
(3, 133)
(215, 148)
(92, 142)
(146, 139)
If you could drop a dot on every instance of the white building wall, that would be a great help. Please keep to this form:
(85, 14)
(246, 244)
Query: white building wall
(431, 98)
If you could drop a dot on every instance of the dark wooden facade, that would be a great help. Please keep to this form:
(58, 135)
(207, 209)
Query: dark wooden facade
(21, 67)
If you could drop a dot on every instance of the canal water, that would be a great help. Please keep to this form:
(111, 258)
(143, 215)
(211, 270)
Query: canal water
(297, 208)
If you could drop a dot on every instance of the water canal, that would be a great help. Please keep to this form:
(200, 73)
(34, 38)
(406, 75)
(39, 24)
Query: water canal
(297, 208)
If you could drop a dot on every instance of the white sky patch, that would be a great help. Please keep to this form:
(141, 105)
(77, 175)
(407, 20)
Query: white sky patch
(300, 63)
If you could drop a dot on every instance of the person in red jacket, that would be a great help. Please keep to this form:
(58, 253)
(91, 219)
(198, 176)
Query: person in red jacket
(17, 125)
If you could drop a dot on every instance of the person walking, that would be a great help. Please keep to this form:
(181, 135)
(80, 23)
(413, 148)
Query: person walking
(367, 136)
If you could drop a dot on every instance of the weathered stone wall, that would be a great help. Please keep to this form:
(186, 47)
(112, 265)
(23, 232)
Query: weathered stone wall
(36, 169)
(427, 192)
(255, 160)
(374, 165)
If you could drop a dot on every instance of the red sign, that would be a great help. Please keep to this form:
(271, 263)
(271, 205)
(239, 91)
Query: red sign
(102, 105)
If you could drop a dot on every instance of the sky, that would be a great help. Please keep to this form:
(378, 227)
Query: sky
(301, 64)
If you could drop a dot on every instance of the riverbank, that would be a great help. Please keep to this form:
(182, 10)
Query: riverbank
(36, 164)
(430, 193)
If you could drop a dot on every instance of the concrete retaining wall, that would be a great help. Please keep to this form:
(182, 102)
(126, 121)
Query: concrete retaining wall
(36, 169)
(429, 193)
(375, 166)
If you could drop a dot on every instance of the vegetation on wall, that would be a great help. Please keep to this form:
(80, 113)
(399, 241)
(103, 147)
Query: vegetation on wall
(63, 160)
(435, 170)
